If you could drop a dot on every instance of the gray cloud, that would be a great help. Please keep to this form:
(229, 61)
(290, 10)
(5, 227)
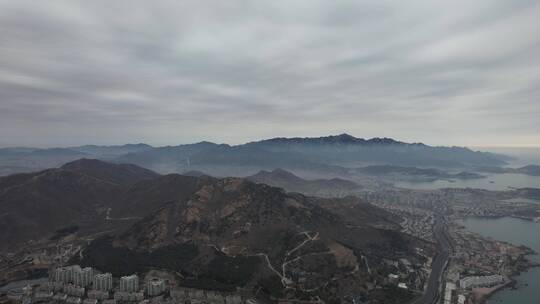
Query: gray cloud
(166, 72)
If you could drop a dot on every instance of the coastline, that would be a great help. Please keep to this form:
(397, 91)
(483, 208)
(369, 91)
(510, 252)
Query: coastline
(529, 257)
(513, 281)
(489, 292)
(519, 217)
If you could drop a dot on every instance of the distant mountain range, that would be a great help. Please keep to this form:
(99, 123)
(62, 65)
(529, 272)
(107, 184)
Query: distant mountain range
(20, 160)
(330, 154)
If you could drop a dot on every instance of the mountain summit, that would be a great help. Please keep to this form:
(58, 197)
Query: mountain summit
(231, 233)
(330, 140)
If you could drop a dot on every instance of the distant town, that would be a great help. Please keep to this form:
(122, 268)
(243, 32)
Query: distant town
(476, 266)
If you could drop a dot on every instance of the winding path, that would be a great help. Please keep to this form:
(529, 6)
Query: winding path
(286, 281)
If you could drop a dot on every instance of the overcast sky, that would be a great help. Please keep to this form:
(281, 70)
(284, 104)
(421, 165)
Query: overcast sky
(456, 72)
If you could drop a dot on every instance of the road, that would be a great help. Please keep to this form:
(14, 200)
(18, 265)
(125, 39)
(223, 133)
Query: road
(431, 294)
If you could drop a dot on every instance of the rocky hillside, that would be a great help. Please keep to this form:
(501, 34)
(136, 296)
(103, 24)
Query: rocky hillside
(36, 205)
(233, 233)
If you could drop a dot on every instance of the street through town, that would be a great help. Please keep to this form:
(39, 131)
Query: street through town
(431, 294)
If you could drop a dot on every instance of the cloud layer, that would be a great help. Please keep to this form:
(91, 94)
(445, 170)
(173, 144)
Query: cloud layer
(168, 72)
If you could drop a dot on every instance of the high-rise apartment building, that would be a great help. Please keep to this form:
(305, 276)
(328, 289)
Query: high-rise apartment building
(103, 282)
(129, 283)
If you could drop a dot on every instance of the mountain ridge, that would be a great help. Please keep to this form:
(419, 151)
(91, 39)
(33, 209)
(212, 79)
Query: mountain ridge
(334, 153)
(343, 138)
(232, 233)
(35, 205)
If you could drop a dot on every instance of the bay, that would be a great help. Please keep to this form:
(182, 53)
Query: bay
(518, 232)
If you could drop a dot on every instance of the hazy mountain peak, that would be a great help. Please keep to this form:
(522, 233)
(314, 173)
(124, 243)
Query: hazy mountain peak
(205, 143)
(282, 172)
(384, 141)
(84, 162)
(343, 138)
(137, 145)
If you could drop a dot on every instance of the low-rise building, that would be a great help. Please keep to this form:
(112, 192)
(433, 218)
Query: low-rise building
(155, 287)
(55, 286)
(73, 290)
(60, 297)
(178, 294)
(480, 281)
(90, 301)
(16, 294)
(450, 287)
(195, 294)
(98, 295)
(73, 300)
(43, 295)
(128, 296)
(214, 298)
(233, 299)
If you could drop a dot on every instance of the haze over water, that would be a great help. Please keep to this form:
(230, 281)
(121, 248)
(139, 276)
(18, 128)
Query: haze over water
(495, 182)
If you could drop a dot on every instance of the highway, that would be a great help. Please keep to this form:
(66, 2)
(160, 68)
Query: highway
(431, 294)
